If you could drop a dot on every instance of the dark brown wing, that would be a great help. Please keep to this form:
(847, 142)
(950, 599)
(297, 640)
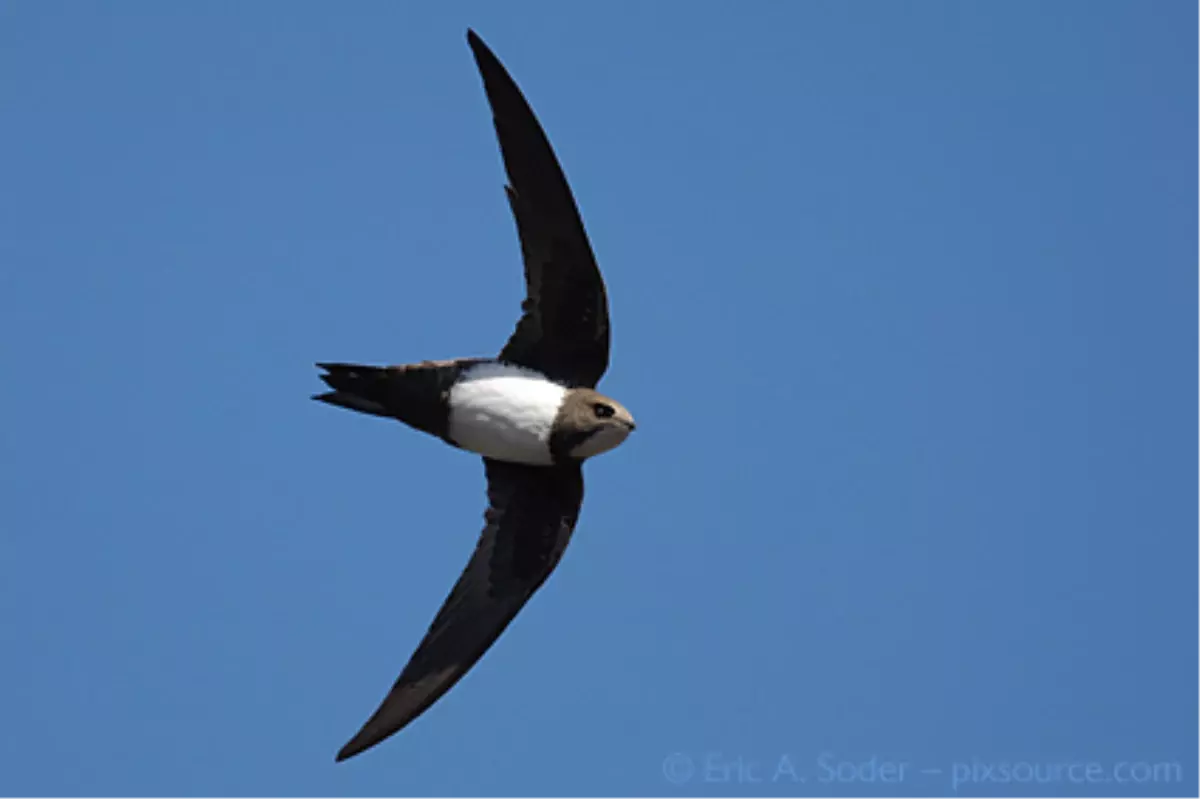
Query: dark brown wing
(531, 513)
(564, 330)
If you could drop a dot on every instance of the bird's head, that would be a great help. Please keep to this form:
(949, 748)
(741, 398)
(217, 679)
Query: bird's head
(587, 424)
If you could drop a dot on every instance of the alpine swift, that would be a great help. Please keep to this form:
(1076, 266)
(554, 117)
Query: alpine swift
(532, 412)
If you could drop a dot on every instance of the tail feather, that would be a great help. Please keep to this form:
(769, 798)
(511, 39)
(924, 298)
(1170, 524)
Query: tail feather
(416, 394)
(359, 388)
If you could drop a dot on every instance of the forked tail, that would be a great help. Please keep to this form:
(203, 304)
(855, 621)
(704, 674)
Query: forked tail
(359, 388)
(416, 394)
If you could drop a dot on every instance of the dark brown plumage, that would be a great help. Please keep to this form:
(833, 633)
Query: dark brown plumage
(563, 335)
(531, 513)
(416, 394)
(564, 331)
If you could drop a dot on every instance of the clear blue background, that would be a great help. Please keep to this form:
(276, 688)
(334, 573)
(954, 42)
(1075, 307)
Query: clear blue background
(904, 300)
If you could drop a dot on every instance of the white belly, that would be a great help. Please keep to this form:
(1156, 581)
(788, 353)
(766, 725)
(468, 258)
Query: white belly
(505, 412)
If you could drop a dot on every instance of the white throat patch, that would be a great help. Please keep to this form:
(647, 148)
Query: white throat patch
(505, 412)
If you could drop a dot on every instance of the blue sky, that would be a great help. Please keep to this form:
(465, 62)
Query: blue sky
(904, 301)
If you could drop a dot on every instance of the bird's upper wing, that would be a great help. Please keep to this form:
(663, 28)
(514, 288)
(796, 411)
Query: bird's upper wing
(531, 513)
(563, 332)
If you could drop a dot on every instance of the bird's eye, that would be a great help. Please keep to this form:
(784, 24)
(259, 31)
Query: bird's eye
(603, 411)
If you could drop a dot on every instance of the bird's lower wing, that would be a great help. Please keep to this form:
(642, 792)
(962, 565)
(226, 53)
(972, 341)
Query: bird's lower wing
(531, 513)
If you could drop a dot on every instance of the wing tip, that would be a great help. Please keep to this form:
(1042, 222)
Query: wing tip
(483, 54)
(474, 42)
(363, 740)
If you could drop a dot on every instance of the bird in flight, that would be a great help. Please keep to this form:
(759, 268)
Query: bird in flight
(532, 412)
